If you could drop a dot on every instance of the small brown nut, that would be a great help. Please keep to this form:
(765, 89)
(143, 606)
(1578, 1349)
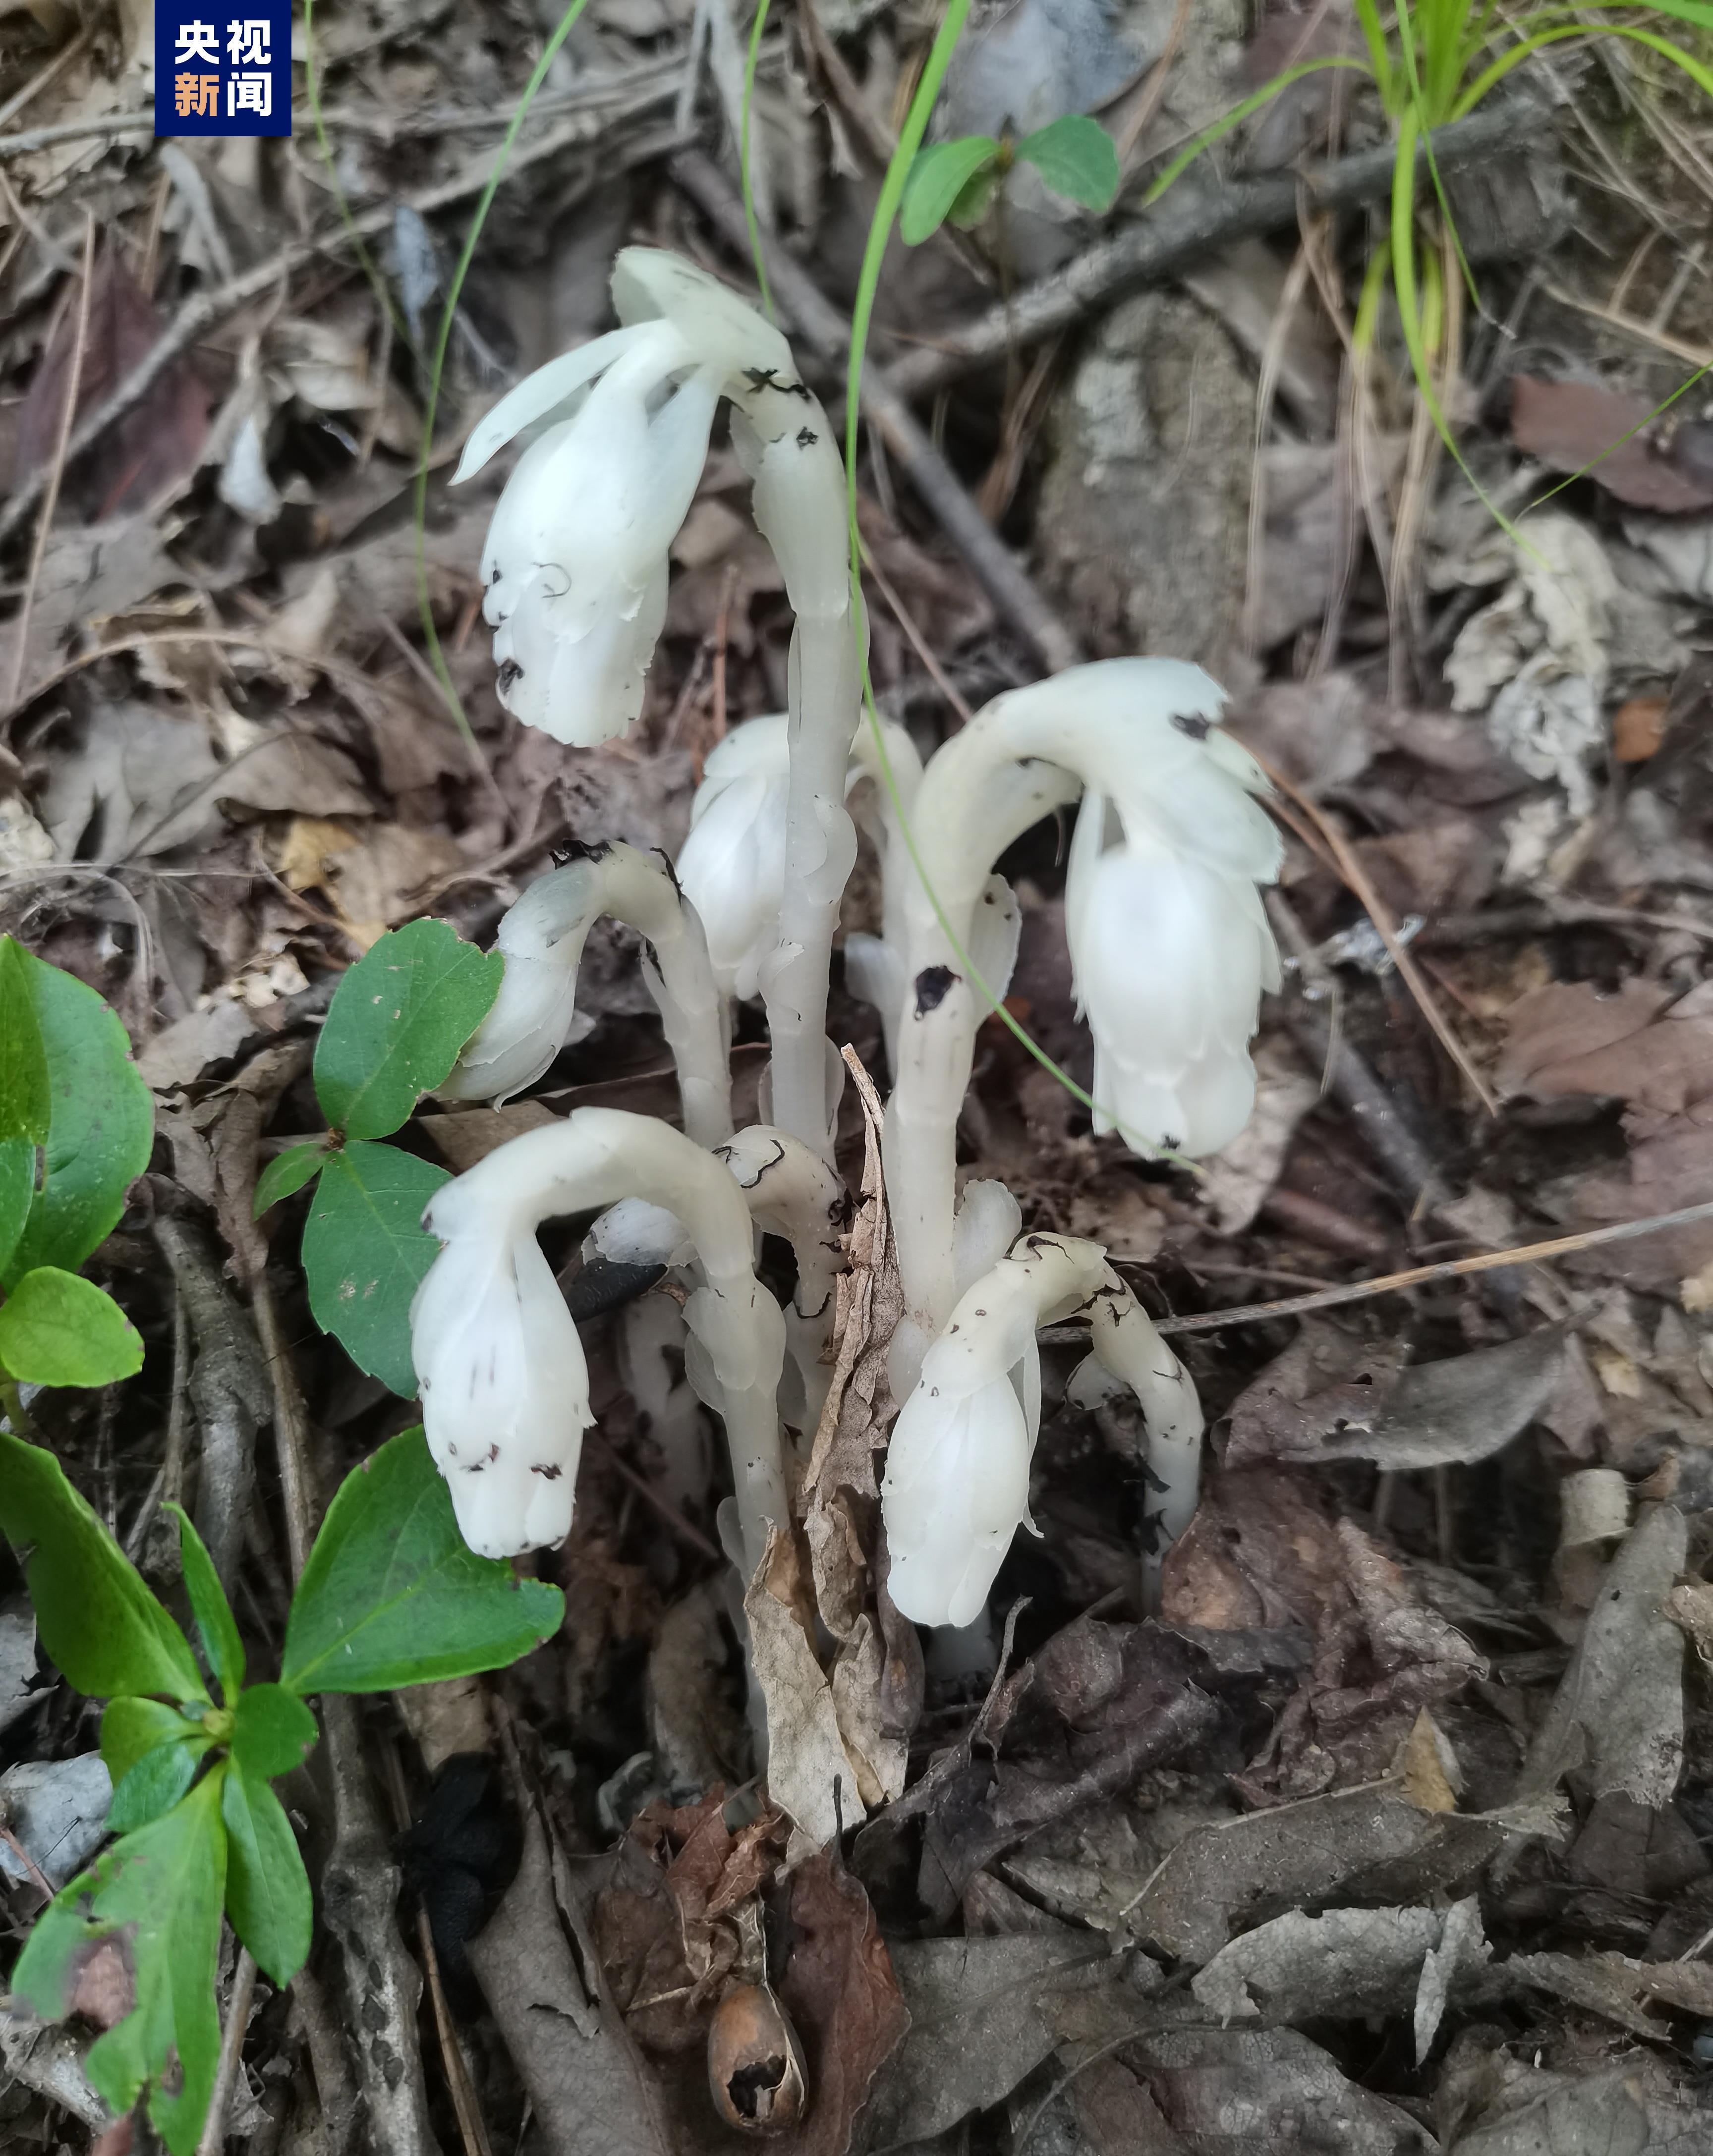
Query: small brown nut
(755, 2067)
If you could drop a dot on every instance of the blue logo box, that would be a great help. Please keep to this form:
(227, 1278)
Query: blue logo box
(222, 70)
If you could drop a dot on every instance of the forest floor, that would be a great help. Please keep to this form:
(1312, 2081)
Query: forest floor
(1392, 1831)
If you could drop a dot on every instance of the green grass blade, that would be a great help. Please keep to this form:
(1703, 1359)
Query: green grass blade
(750, 59)
(1488, 80)
(1239, 113)
(885, 211)
(1593, 463)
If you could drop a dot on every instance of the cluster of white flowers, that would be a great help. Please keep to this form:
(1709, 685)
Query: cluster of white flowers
(1169, 942)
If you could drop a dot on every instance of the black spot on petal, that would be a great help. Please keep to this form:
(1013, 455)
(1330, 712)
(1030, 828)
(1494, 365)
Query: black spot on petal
(933, 984)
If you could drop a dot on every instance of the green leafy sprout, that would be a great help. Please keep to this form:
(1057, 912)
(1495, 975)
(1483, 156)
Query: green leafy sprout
(1435, 61)
(76, 1126)
(958, 179)
(392, 1033)
(390, 1595)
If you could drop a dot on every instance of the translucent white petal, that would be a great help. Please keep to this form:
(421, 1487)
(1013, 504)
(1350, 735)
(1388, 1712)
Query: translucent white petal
(525, 1029)
(650, 283)
(732, 871)
(956, 1491)
(504, 1386)
(537, 395)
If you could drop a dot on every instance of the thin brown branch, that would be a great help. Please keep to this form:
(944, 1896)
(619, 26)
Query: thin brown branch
(56, 466)
(1186, 225)
(1350, 868)
(826, 329)
(1488, 1261)
(238, 2006)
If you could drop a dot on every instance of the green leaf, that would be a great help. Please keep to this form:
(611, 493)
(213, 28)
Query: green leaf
(155, 1899)
(100, 1124)
(396, 1025)
(155, 1784)
(267, 1888)
(1076, 157)
(365, 1251)
(938, 177)
(17, 1188)
(287, 1172)
(392, 1596)
(208, 1605)
(25, 1096)
(97, 1620)
(273, 1731)
(975, 197)
(132, 1727)
(56, 1329)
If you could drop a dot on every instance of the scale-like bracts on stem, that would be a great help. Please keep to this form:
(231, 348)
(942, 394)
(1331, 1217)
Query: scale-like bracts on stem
(957, 1475)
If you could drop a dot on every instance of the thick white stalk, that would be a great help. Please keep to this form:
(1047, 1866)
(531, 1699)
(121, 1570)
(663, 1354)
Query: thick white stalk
(939, 1015)
(800, 507)
(1131, 1353)
(794, 1192)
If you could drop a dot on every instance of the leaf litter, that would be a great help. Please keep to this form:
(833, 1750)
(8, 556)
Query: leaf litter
(1388, 1831)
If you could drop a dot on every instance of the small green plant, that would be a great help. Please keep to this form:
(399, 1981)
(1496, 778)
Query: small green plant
(1433, 63)
(76, 1124)
(1075, 156)
(389, 1596)
(392, 1033)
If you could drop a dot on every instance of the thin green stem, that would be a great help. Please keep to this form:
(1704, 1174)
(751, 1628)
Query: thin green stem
(880, 231)
(437, 657)
(750, 219)
(370, 267)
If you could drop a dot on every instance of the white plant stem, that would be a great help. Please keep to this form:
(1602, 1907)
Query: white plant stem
(792, 1191)
(800, 506)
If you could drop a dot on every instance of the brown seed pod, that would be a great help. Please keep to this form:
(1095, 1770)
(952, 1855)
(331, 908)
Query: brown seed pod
(755, 2068)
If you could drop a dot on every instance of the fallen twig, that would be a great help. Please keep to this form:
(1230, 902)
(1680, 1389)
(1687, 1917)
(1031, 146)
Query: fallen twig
(1005, 579)
(56, 466)
(207, 310)
(1525, 1254)
(1187, 225)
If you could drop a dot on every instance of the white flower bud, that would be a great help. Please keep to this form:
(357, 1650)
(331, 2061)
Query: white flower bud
(956, 1491)
(731, 867)
(504, 1386)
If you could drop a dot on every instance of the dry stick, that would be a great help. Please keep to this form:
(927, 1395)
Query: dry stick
(49, 74)
(1526, 1254)
(207, 310)
(823, 327)
(1185, 226)
(56, 468)
(238, 2006)
(918, 643)
(1350, 868)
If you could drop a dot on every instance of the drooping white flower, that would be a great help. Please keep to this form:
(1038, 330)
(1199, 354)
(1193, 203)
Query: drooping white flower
(540, 939)
(576, 560)
(956, 1487)
(504, 1385)
(1169, 953)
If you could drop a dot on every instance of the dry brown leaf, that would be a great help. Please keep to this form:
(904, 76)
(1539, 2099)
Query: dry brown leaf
(844, 1998)
(1638, 1045)
(809, 1775)
(877, 1674)
(1572, 426)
